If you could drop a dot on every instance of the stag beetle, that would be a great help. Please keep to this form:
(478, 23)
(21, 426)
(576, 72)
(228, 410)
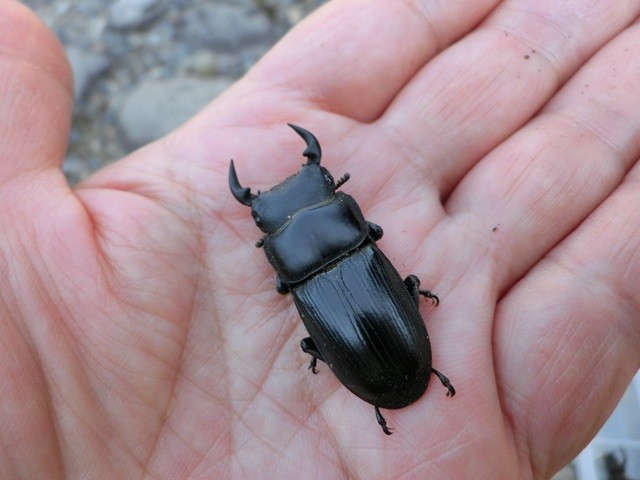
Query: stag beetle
(362, 318)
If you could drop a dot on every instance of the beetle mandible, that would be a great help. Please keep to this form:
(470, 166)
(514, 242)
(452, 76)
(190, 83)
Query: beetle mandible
(362, 318)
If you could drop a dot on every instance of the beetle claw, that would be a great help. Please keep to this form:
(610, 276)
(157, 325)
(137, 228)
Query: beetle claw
(430, 296)
(451, 391)
(312, 365)
(382, 422)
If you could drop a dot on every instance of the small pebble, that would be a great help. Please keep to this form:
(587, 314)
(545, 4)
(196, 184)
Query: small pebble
(86, 66)
(133, 13)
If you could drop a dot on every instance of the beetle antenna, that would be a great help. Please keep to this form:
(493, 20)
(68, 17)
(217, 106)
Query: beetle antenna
(342, 180)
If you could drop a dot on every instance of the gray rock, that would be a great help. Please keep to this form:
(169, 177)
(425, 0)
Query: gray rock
(86, 67)
(119, 47)
(130, 14)
(226, 27)
(77, 169)
(202, 62)
(157, 107)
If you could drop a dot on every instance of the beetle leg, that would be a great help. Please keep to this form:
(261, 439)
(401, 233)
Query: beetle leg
(313, 364)
(309, 346)
(431, 296)
(413, 285)
(445, 382)
(382, 422)
(375, 231)
(281, 287)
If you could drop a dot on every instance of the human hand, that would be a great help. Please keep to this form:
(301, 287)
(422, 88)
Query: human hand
(142, 336)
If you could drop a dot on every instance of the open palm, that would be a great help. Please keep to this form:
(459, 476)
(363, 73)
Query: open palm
(497, 145)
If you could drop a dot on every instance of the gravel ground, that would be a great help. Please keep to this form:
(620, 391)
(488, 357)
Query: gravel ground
(142, 67)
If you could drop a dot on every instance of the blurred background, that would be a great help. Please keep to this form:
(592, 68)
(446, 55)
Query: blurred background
(142, 67)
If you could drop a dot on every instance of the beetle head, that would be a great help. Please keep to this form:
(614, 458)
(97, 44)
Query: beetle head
(311, 185)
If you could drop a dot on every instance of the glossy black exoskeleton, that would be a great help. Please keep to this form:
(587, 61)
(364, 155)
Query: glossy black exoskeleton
(362, 317)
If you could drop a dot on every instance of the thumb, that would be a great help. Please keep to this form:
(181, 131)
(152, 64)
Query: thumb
(36, 94)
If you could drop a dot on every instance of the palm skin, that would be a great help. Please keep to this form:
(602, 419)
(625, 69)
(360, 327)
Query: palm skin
(497, 145)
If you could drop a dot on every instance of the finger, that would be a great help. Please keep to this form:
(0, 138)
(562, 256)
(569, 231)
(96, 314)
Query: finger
(487, 85)
(563, 366)
(353, 56)
(35, 94)
(542, 182)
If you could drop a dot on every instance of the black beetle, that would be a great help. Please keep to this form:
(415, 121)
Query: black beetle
(362, 318)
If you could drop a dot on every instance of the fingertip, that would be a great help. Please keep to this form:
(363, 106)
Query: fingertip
(24, 36)
(36, 93)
